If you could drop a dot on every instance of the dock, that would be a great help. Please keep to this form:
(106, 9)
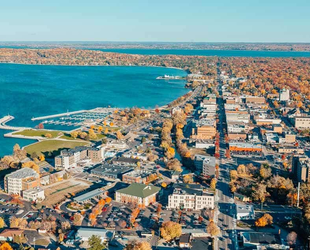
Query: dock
(6, 119)
(57, 115)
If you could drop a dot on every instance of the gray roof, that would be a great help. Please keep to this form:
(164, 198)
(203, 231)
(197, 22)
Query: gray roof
(87, 232)
(88, 195)
(23, 173)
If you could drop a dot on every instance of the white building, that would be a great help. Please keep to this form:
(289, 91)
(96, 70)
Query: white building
(245, 212)
(190, 196)
(84, 233)
(34, 194)
(20, 179)
(284, 95)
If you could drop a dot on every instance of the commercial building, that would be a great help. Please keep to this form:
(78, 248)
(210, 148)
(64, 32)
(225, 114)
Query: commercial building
(244, 147)
(205, 164)
(204, 129)
(138, 194)
(301, 168)
(20, 180)
(302, 122)
(111, 171)
(137, 176)
(84, 233)
(190, 196)
(245, 212)
(261, 240)
(34, 194)
(255, 99)
(96, 193)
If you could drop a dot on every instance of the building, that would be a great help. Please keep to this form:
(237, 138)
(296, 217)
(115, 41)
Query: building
(261, 240)
(137, 176)
(111, 171)
(96, 193)
(126, 161)
(245, 212)
(185, 241)
(84, 233)
(190, 196)
(138, 194)
(69, 158)
(284, 95)
(255, 99)
(301, 168)
(204, 132)
(205, 164)
(244, 147)
(8, 234)
(22, 179)
(34, 194)
(302, 122)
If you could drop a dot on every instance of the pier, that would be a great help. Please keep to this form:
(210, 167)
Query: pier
(57, 115)
(6, 119)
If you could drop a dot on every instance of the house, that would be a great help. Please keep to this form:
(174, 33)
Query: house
(8, 234)
(244, 212)
(84, 233)
(185, 241)
(139, 194)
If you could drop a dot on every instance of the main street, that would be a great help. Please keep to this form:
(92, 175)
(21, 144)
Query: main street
(227, 212)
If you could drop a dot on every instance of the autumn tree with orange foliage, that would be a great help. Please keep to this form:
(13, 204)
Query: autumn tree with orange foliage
(5, 246)
(263, 221)
(170, 230)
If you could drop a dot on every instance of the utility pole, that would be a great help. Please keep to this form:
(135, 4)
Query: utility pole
(298, 188)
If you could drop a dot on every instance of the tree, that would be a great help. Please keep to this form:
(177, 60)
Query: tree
(242, 169)
(188, 178)
(170, 153)
(233, 174)
(5, 246)
(265, 171)
(74, 134)
(263, 221)
(170, 230)
(213, 183)
(260, 193)
(92, 135)
(213, 229)
(119, 135)
(19, 153)
(174, 164)
(291, 238)
(42, 157)
(32, 165)
(2, 224)
(48, 135)
(138, 245)
(95, 243)
(77, 219)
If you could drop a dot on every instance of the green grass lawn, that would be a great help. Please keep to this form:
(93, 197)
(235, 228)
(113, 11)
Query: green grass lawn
(35, 132)
(53, 146)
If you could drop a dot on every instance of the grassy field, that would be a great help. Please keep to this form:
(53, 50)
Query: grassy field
(55, 193)
(53, 146)
(35, 132)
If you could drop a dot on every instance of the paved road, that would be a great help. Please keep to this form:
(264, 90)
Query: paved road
(227, 214)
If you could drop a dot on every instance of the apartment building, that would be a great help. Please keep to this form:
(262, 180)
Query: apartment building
(190, 197)
(20, 180)
(137, 176)
(205, 164)
(69, 158)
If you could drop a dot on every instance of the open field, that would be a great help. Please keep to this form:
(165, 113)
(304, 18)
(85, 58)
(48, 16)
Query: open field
(52, 146)
(35, 132)
(56, 192)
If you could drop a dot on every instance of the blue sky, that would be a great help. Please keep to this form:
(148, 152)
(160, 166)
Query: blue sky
(156, 20)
